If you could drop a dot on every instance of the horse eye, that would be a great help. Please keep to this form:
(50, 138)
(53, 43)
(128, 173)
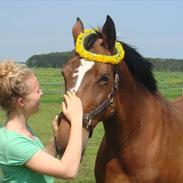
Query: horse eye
(104, 79)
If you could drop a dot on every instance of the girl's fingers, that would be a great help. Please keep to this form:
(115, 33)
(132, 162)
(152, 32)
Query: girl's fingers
(55, 124)
(63, 107)
(55, 119)
(67, 98)
(71, 94)
(71, 99)
(72, 106)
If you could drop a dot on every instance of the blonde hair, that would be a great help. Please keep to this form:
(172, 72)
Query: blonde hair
(13, 83)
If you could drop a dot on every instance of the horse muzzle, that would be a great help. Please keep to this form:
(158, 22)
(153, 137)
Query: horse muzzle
(63, 134)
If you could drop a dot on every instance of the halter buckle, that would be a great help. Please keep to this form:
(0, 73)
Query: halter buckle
(116, 81)
(89, 123)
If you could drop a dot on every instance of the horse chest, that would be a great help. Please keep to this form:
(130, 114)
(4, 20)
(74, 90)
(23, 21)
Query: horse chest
(109, 172)
(113, 169)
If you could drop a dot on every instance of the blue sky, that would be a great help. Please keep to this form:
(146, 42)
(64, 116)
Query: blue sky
(154, 27)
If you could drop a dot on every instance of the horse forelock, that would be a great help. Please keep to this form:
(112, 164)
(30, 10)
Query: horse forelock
(90, 40)
(80, 72)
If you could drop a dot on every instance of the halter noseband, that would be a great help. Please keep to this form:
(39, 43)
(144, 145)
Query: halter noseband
(87, 117)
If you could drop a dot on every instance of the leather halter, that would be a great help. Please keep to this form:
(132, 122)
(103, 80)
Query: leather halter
(87, 117)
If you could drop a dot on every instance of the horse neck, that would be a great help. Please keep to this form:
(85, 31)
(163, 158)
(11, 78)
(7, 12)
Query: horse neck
(135, 106)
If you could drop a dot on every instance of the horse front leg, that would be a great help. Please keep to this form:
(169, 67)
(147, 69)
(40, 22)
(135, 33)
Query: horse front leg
(107, 167)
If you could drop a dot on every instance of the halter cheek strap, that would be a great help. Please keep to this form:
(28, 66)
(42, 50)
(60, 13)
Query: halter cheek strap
(87, 117)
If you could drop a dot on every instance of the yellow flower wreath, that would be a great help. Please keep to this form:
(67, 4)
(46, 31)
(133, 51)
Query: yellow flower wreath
(113, 59)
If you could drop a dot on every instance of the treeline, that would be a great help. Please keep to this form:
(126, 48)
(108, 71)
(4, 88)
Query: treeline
(167, 64)
(59, 58)
(56, 59)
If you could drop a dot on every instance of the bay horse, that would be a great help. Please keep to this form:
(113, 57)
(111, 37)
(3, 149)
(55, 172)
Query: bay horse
(143, 139)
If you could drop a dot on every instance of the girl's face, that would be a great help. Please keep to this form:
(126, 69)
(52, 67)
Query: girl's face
(31, 101)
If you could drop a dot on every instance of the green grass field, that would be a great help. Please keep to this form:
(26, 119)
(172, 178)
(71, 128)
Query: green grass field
(170, 83)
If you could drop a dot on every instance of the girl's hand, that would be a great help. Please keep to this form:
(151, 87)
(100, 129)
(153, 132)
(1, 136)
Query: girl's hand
(72, 107)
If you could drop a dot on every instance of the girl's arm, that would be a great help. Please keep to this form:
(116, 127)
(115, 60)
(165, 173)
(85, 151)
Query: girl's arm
(68, 166)
(51, 148)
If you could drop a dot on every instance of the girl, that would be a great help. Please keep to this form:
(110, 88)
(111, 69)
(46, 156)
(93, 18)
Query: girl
(23, 158)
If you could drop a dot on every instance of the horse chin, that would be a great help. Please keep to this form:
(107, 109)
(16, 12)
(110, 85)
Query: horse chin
(62, 137)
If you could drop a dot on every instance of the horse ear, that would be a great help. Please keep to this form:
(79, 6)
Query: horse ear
(77, 29)
(109, 33)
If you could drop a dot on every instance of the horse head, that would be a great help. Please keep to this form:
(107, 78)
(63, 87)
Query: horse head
(95, 82)
(106, 74)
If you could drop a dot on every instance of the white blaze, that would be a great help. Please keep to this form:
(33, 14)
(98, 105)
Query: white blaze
(80, 72)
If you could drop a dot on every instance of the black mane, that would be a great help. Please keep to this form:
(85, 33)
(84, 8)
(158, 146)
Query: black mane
(140, 68)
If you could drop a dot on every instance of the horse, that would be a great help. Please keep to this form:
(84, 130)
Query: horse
(143, 131)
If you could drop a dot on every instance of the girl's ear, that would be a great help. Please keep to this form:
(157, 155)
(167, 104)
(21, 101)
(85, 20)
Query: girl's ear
(20, 102)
